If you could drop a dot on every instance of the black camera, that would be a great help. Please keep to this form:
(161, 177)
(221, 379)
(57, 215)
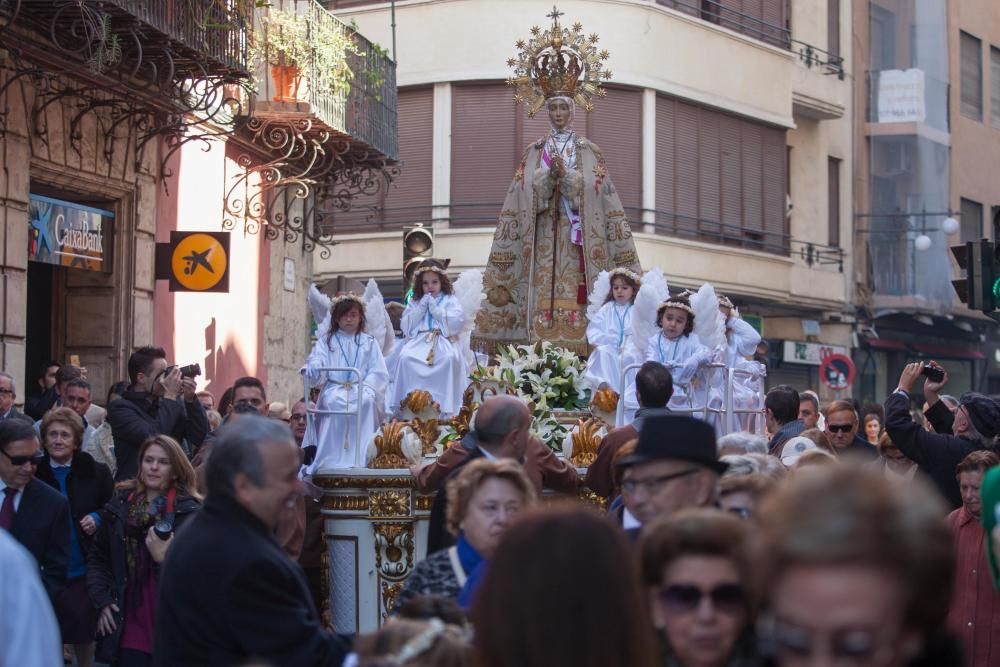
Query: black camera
(932, 373)
(164, 528)
(189, 371)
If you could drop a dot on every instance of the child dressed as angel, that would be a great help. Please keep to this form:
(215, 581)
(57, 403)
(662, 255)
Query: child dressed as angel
(431, 358)
(610, 327)
(346, 345)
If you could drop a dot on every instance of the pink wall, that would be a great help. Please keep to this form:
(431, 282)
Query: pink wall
(222, 332)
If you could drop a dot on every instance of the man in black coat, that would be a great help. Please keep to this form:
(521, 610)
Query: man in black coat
(228, 593)
(502, 429)
(973, 426)
(8, 394)
(157, 402)
(34, 513)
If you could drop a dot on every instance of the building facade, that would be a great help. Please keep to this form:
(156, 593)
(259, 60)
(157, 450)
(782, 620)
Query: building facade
(726, 128)
(124, 122)
(928, 136)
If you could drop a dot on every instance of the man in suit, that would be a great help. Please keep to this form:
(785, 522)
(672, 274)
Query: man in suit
(8, 393)
(502, 431)
(34, 513)
(228, 593)
(653, 388)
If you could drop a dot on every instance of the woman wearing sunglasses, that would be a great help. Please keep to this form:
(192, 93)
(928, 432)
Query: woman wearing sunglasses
(696, 569)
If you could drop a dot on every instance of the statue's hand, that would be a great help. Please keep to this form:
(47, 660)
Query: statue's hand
(558, 168)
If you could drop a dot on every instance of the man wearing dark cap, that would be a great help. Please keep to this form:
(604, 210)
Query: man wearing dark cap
(973, 426)
(675, 465)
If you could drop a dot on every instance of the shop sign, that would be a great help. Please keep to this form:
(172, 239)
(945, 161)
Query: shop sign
(68, 234)
(194, 261)
(812, 354)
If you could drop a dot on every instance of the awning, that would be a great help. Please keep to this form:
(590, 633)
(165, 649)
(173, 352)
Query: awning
(948, 351)
(886, 344)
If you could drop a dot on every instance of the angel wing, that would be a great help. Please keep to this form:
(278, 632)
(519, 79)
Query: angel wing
(652, 293)
(709, 322)
(598, 295)
(319, 304)
(379, 325)
(470, 294)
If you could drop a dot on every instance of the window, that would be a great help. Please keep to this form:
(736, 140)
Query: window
(766, 20)
(972, 76)
(720, 178)
(833, 204)
(995, 86)
(972, 221)
(833, 28)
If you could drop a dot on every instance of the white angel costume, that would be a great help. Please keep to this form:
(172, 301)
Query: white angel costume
(609, 331)
(432, 357)
(741, 342)
(338, 445)
(684, 356)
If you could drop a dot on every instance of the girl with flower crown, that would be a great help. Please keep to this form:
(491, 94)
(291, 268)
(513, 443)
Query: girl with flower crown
(431, 357)
(347, 345)
(610, 327)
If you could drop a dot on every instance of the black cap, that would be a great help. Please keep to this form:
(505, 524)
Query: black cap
(676, 437)
(984, 413)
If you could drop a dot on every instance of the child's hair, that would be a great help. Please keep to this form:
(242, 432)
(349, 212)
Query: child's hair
(414, 644)
(681, 303)
(628, 280)
(340, 309)
(418, 279)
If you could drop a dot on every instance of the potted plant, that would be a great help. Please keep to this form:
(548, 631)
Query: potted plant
(293, 44)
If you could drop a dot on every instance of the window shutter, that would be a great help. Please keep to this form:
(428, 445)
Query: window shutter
(709, 175)
(774, 14)
(666, 202)
(731, 155)
(971, 77)
(753, 182)
(995, 86)
(773, 165)
(408, 199)
(615, 125)
(483, 151)
(833, 202)
(687, 166)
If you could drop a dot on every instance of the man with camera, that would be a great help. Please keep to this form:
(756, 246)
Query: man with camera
(160, 400)
(973, 426)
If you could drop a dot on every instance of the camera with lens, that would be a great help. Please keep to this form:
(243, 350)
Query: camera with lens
(189, 371)
(164, 528)
(932, 373)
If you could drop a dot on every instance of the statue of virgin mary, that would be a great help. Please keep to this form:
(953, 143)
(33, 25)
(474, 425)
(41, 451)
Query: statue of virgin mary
(562, 222)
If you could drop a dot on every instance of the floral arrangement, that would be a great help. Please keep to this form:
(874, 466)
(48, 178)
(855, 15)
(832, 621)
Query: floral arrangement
(549, 377)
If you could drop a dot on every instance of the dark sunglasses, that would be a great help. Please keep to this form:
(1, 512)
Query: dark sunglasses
(839, 428)
(34, 459)
(683, 598)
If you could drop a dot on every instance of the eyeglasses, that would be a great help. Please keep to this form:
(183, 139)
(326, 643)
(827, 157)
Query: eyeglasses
(839, 428)
(297, 418)
(6, 392)
(685, 598)
(16, 461)
(651, 484)
(845, 648)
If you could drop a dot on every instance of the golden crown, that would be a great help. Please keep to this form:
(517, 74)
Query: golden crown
(559, 62)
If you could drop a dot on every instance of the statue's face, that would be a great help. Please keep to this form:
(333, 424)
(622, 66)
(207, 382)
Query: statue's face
(559, 114)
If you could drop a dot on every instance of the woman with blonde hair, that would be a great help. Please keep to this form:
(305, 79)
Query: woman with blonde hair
(135, 533)
(483, 499)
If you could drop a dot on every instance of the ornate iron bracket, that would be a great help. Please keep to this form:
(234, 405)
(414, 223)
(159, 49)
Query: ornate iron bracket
(814, 254)
(297, 194)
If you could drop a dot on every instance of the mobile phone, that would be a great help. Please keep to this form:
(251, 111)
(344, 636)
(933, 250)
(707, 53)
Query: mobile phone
(74, 360)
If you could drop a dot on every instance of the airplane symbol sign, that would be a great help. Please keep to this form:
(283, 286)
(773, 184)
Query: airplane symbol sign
(199, 262)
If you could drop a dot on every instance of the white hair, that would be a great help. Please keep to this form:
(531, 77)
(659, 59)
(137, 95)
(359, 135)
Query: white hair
(745, 442)
(13, 382)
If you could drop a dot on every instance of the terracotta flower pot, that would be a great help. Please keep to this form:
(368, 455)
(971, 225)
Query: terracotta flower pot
(286, 82)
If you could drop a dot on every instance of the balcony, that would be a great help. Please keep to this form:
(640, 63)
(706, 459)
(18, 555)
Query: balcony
(162, 40)
(765, 21)
(908, 102)
(317, 73)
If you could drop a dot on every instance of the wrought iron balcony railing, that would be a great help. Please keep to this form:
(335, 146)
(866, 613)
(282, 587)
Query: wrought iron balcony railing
(312, 66)
(175, 38)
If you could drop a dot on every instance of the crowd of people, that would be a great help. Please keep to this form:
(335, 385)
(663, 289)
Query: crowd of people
(143, 535)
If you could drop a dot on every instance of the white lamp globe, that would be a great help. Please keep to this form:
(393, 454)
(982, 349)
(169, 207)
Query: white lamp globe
(922, 242)
(949, 225)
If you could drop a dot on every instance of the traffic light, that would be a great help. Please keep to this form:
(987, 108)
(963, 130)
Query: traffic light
(980, 288)
(418, 245)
